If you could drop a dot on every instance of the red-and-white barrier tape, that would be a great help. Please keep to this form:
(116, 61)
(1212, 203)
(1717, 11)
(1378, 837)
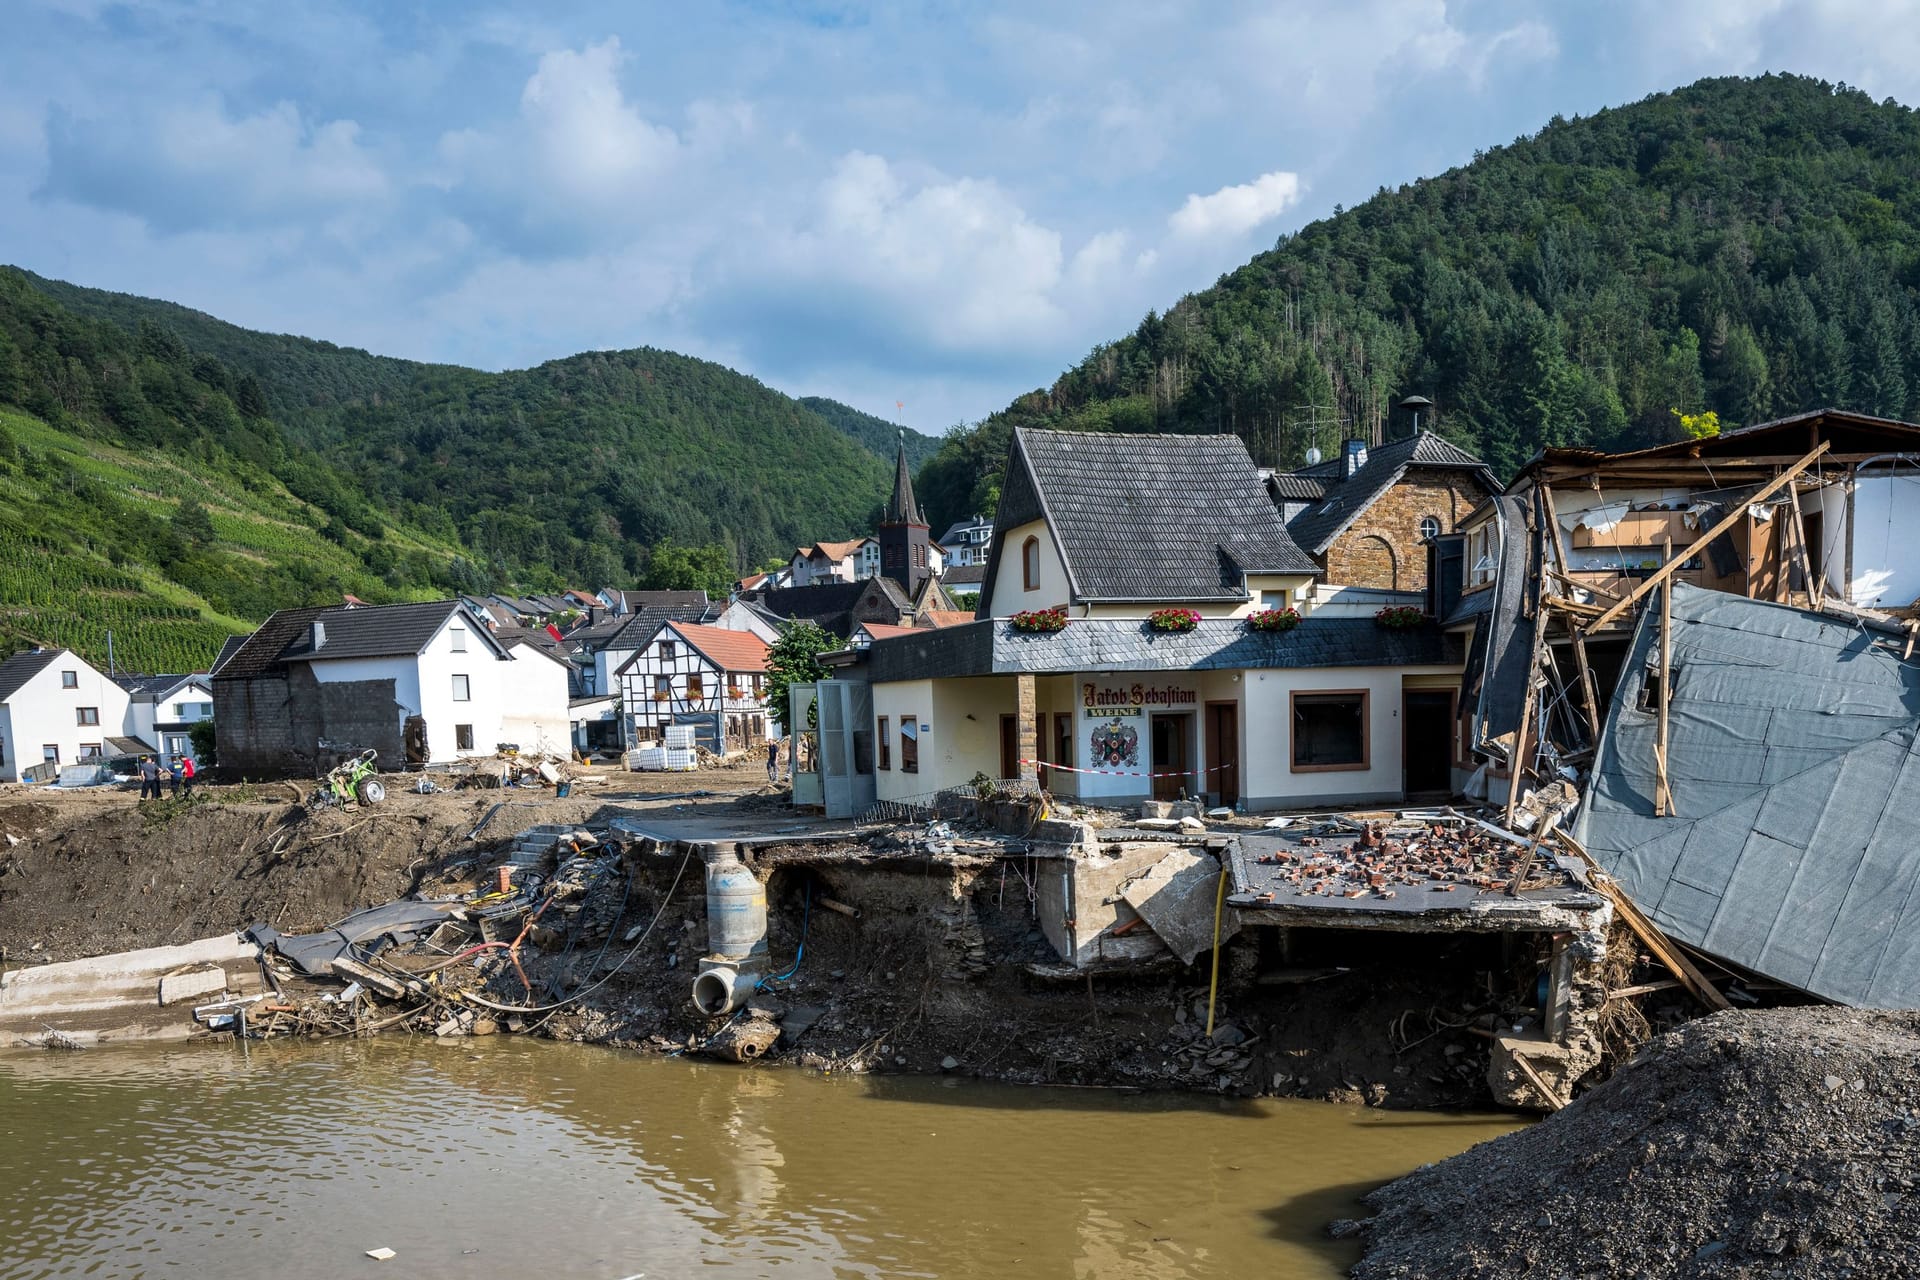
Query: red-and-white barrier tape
(1125, 773)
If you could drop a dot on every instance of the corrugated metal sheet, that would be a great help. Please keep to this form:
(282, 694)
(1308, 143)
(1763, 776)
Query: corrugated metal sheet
(1795, 847)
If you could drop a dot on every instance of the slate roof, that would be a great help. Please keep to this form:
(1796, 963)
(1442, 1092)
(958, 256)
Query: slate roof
(1142, 517)
(993, 647)
(228, 647)
(1291, 486)
(146, 686)
(1317, 526)
(379, 631)
(1794, 744)
(22, 667)
(901, 507)
(965, 575)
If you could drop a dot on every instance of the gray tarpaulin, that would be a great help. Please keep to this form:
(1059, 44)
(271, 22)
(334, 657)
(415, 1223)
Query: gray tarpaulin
(1795, 847)
(314, 953)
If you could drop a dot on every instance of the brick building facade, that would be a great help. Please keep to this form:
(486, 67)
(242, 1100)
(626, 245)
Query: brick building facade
(1384, 546)
(1364, 517)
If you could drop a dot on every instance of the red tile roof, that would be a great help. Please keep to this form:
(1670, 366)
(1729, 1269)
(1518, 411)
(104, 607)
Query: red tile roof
(728, 650)
(945, 617)
(885, 630)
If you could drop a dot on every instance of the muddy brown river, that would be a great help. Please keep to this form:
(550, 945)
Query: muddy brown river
(515, 1158)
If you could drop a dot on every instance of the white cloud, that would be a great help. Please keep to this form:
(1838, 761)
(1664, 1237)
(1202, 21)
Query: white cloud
(1233, 211)
(575, 165)
(195, 166)
(956, 259)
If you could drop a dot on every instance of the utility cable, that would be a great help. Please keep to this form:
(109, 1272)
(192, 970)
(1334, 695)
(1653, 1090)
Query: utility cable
(632, 951)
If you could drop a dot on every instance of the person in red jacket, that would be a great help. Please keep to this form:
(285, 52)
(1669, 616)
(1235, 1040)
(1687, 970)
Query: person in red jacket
(186, 772)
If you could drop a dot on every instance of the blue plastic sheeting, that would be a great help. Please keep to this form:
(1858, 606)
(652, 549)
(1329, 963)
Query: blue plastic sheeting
(1794, 849)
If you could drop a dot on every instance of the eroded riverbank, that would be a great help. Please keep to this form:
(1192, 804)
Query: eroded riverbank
(511, 1156)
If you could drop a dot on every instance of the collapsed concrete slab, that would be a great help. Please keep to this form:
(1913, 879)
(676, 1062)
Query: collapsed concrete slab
(126, 996)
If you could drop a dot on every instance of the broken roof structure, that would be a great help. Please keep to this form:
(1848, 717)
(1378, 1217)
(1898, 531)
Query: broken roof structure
(1794, 778)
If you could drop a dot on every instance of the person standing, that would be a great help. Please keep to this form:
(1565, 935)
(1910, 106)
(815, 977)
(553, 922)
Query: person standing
(173, 775)
(149, 777)
(186, 772)
(773, 761)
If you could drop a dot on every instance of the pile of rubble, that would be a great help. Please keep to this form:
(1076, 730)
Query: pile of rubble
(1343, 859)
(448, 966)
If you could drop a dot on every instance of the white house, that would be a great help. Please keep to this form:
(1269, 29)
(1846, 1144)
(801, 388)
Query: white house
(1110, 708)
(535, 714)
(708, 677)
(965, 541)
(314, 685)
(162, 709)
(56, 709)
(848, 561)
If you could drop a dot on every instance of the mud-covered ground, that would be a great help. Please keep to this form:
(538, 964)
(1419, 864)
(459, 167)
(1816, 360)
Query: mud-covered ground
(1755, 1144)
(936, 973)
(91, 871)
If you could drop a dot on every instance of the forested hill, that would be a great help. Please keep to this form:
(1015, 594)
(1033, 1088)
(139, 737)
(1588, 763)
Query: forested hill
(1750, 246)
(173, 478)
(876, 434)
(571, 469)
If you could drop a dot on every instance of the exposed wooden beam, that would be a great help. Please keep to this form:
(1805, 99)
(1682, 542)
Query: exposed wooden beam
(1763, 460)
(1727, 522)
(1662, 787)
(1587, 689)
(1647, 931)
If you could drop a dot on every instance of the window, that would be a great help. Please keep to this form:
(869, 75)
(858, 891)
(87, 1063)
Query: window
(459, 637)
(1276, 599)
(462, 691)
(909, 745)
(1030, 564)
(696, 686)
(759, 688)
(884, 737)
(1429, 528)
(666, 651)
(50, 753)
(1063, 737)
(90, 751)
(463, 737)
(1330, 731)
(87, 715)
(662, 688)
(69, 679)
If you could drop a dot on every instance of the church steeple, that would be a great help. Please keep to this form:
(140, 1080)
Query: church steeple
(902, 509)
(904, 545)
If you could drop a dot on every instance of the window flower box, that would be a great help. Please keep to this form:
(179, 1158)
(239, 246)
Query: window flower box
(1173, 619)
(1040, 621)
(663, 697)
(1400, 617)
(1274, 620)
(736, 693)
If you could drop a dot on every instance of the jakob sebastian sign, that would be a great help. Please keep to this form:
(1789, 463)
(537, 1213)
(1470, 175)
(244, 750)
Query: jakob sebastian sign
(1130, 700)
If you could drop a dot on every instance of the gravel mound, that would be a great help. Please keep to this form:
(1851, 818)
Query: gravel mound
(1780, 1143)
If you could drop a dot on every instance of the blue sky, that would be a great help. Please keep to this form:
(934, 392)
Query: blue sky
(943, 204)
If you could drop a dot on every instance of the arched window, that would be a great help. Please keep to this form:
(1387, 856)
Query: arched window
(1030, 564)
(1429, 528)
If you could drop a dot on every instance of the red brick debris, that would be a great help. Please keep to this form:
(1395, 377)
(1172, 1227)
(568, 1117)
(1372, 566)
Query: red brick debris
(1372, 863)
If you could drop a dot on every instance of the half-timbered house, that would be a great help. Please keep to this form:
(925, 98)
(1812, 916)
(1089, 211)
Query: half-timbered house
(708, 677)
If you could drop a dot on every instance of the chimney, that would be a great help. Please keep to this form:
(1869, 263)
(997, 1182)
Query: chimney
(319, 633)
(1356, 458)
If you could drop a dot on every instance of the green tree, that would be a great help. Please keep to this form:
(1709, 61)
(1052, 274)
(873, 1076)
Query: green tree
(793, 659)
(192, 523)
(675, 568)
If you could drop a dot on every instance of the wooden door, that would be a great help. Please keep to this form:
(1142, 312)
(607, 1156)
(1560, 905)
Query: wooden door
(1170, 758)
(1223, 751)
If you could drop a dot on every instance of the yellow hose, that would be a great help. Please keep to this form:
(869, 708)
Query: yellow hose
(1213, 983)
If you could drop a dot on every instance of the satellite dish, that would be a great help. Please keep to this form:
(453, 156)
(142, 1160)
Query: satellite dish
(1313, 456)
